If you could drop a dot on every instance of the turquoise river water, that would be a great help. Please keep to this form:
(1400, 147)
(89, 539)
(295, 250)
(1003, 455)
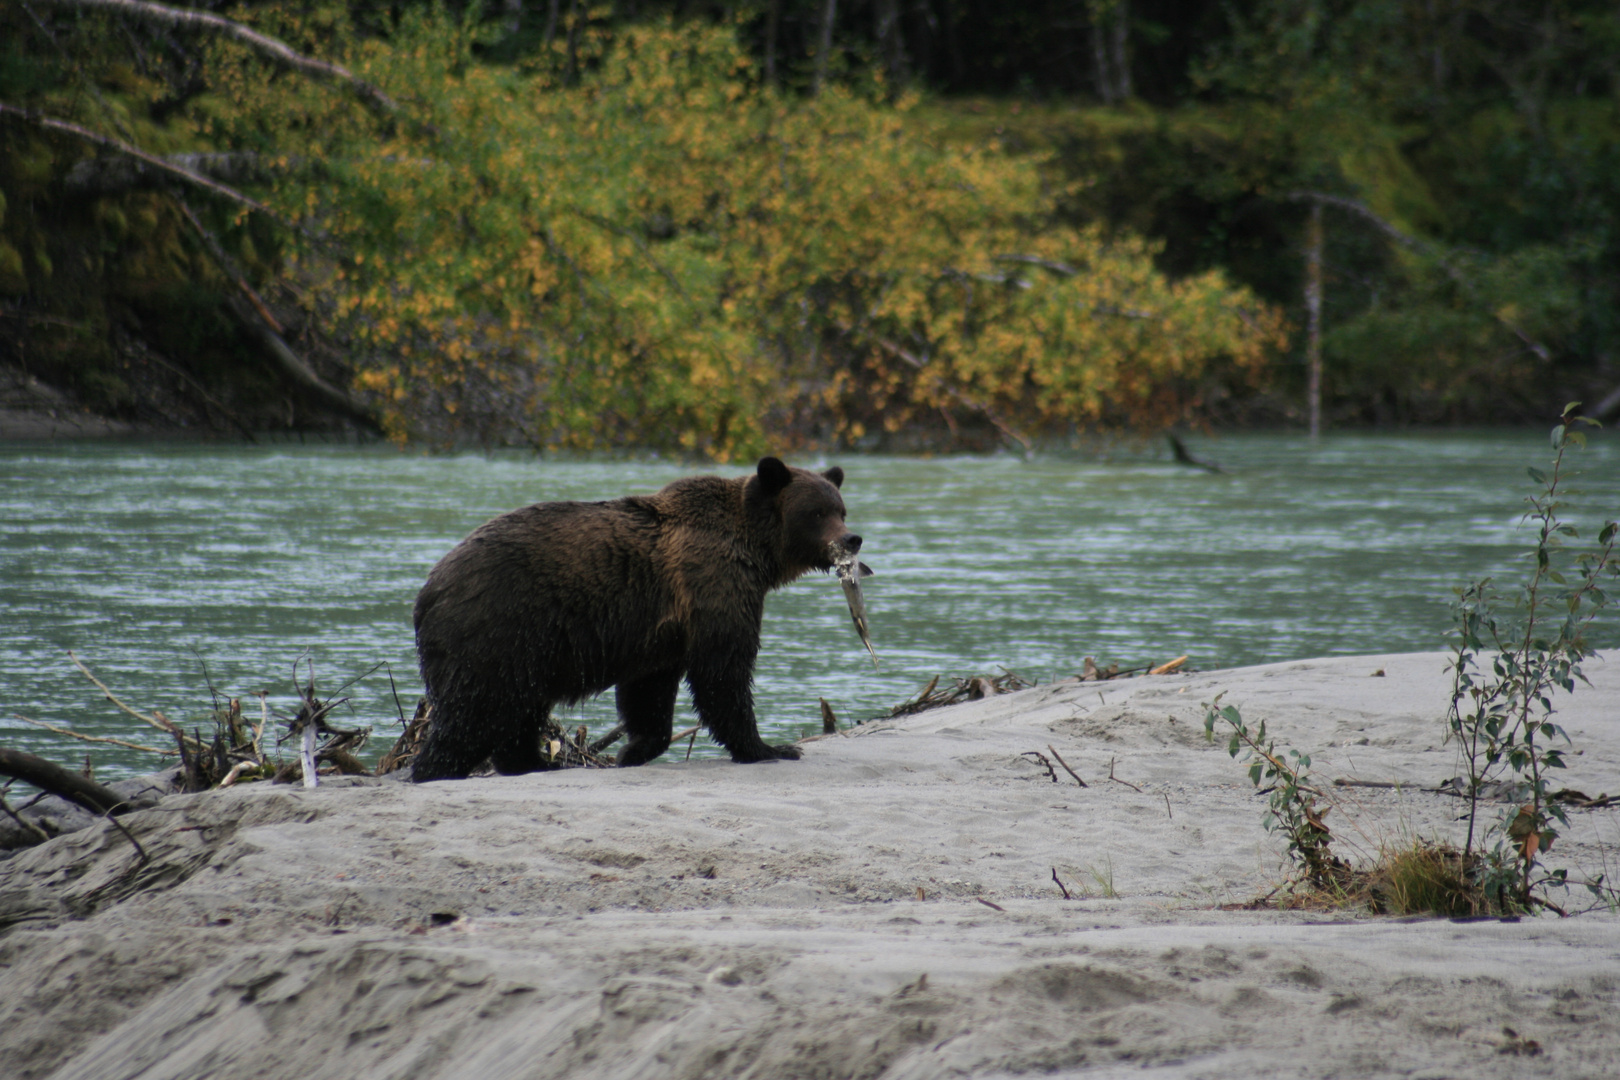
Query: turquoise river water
(152, 560)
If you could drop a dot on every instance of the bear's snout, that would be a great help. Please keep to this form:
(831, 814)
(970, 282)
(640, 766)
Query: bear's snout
(850, 543)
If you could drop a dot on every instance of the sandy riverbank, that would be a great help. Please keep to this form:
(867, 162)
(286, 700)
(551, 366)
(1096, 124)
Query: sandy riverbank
(706, 919)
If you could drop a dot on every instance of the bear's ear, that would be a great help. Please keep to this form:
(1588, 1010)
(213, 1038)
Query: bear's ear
(773, 475)
(836, 475)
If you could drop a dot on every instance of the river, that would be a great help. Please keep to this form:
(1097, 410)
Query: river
(155, 561)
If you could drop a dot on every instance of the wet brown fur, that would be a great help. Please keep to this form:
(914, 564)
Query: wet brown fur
(557, 602)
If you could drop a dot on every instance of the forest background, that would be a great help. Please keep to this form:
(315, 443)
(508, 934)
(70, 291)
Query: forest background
(717, 228)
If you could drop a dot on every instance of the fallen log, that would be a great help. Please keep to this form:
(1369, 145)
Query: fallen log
(62, 782)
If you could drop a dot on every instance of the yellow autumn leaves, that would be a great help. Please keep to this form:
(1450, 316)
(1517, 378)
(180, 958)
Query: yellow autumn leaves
(663, 252)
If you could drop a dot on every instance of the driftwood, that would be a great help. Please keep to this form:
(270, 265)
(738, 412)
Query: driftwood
(612, 735)
(69, 785)
(1178, 450)
(560, 749)
(829, 721)
(82, 737)
(972, 688)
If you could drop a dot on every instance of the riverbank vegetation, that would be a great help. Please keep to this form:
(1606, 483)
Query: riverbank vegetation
(712, 229)
(1512, 652)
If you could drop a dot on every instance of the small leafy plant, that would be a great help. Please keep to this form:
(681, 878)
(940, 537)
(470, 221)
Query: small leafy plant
(1506, 665)
(1293, 810)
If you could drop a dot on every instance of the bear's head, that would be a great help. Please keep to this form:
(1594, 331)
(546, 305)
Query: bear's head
(809, 511)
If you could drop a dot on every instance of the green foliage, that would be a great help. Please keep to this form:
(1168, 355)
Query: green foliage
(665, 252)
(1502, 718)
(1292, 808)
(594, 227)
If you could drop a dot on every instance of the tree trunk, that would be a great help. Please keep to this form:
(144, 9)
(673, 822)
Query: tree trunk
(824, 46)
(1099, 55)
(1121, 61)
(1313, 319)
(773, 20)
(890, 43)
(572, 75)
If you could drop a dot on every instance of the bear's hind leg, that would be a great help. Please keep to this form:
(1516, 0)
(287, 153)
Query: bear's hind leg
(452, 749)
(647, 711)
(517, 749)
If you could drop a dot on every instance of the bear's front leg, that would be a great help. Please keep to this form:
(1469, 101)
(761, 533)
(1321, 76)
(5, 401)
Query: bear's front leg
(721, 680)
(647, 711)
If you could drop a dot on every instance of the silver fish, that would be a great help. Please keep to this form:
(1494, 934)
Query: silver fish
(850, 570)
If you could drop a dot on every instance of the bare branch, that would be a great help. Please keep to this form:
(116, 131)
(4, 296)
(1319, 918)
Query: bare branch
(1422, 247)
(264, 45)
(118, 146)
(109, 175)
(1059, 268)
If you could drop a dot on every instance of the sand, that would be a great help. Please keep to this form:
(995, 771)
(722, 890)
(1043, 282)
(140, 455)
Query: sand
(825, 918)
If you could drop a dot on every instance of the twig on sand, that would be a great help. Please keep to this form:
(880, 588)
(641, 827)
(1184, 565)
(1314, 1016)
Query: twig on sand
(1167, 806)
(1061, 887)
(1066, 768)
(988, 904)
(1044, 760)
(136, 844)
(1117, 780)
(1549, 905)
(18, 818)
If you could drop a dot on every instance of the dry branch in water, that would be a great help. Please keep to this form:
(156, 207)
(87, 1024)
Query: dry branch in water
(70, 733)
(157, 719)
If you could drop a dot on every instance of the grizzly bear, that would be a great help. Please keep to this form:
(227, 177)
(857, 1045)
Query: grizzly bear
(558, 601)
